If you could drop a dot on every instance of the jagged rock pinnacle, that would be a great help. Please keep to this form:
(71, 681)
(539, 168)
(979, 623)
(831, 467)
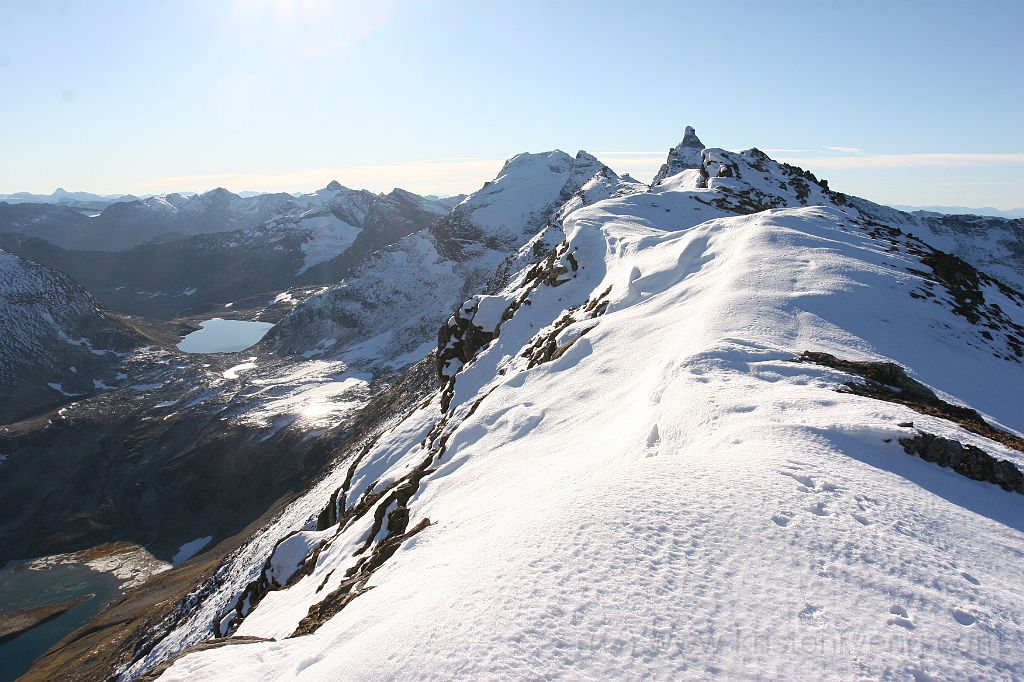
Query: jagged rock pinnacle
(684, 156)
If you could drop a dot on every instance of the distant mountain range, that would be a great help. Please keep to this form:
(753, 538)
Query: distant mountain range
(130, 221)
(224, 249)
(964, 210)
(62, 196)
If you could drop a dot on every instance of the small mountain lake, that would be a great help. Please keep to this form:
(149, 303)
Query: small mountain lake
(21, 587)
(224, 336)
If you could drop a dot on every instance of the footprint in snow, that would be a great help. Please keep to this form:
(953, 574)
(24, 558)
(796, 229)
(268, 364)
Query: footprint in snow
(809, 612)
(969, 578)
(899, 616)
(963, 617)
(806, 482)
(819, 509)
(864, 502)
(783, 518)
(863, 520)
(653, 438)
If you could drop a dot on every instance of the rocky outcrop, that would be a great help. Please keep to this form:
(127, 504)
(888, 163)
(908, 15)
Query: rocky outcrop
(684, 156)
(890, 382)
(965, 286)
(966, 460)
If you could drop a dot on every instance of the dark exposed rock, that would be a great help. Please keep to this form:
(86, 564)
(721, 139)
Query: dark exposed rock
(684, 156)
(967, 460)
(459, 339)
(963, 282)
(395, 521)
(890, 382)
(546, 348)
(965, 290)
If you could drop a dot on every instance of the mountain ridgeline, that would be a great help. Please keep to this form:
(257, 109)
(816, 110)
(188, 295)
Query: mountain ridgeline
(170, 256)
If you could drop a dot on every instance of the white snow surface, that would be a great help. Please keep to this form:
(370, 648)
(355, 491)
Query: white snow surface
(672, 497)
(233, 372)
(329, 236)
(189, 550)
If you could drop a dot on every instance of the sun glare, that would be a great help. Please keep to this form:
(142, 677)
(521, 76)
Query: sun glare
(306, 29)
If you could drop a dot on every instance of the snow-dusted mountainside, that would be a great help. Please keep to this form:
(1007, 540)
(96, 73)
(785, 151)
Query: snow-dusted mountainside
(320, 238)
(734, 425)
(386, 312)
(55, 223)
(330, 218)
(56, 341)
(994, 244)
(174, 216)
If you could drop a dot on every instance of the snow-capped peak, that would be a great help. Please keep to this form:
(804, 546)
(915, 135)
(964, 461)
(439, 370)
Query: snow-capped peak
(586, 165)
(218, 195)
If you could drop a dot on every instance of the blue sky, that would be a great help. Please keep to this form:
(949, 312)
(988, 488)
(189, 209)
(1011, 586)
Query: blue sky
(897, 101)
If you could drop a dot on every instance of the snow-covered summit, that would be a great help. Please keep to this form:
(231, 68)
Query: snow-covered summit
(750, 181)
(518, 200)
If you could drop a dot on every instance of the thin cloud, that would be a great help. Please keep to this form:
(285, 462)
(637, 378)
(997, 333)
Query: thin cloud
(908, 160)
(646, 152)
(846, 150)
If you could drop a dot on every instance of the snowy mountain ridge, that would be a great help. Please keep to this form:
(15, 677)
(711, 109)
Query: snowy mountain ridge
(389, 307)
(131, 221)
(313, 239)
(695, 439)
